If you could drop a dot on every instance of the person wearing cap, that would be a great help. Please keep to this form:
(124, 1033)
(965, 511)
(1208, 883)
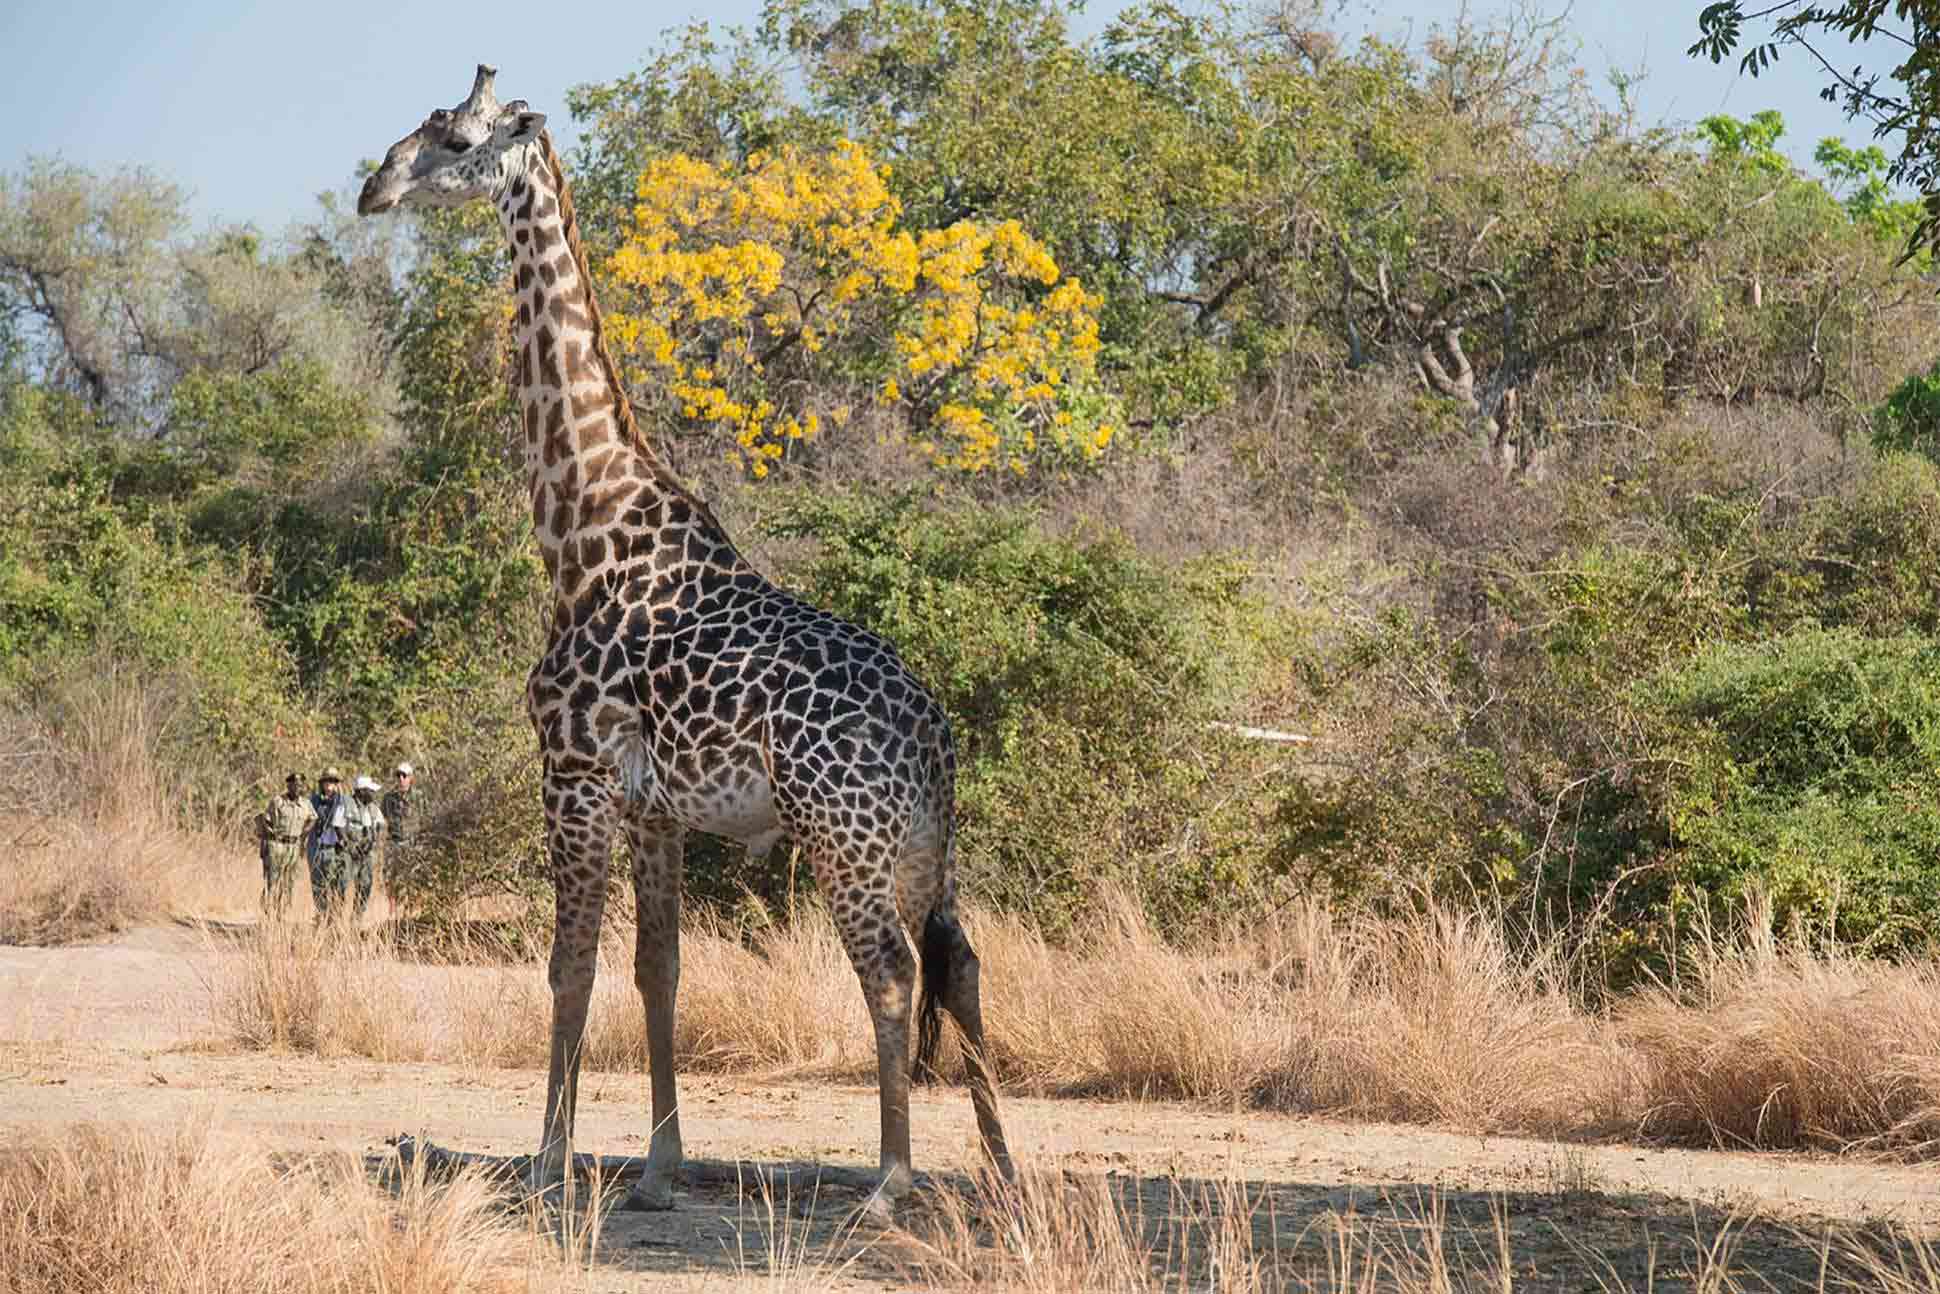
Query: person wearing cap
(279, 832)
(401, 807)
(363, 824)
(329, 844)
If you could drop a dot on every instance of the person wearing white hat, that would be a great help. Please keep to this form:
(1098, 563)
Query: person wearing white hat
(363, 825)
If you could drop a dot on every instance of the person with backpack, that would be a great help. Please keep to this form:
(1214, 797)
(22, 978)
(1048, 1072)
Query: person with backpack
(364, 826)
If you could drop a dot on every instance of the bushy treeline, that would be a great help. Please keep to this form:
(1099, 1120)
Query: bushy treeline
(1373, 471)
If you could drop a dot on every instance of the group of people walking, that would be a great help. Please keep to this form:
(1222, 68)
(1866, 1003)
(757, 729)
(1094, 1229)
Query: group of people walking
(337, 836)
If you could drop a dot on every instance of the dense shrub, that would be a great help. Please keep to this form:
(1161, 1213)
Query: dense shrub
(1084, 684)
(1811, 764)
(80, 582)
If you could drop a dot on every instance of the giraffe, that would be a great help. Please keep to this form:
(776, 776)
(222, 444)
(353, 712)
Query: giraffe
(681, 690)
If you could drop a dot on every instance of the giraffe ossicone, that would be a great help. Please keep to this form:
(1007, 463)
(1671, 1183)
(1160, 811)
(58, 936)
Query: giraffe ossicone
(681, 690)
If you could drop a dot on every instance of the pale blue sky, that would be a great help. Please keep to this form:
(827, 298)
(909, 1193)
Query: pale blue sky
(255, 109)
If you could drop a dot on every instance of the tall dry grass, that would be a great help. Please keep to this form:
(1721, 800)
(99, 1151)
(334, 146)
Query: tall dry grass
(129, 1211)
(1769, 1048)
(323, 989)
(1052, 1234)
(1434, 1018)
(97, 839)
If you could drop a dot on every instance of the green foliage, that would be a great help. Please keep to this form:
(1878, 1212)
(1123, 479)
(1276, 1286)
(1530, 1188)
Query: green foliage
(1869, 557)
(1752, 143)
(1861, 174)
(1810, 777)
(82, 256)
(1909, 420)
(1177, 167)
(80, 577)
(1423, 810)
(482, 832)
(1909, 110)
(266, 427)
(1082, 682)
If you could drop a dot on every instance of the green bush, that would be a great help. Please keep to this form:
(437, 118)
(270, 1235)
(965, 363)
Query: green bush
(1909, 421)
(79, 578)
(1813, 761)
(1083, 683)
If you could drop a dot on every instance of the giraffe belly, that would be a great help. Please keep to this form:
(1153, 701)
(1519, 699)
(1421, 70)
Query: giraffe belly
(739, 806)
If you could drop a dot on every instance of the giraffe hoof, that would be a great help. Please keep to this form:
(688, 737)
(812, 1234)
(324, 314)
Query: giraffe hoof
(649, 1197)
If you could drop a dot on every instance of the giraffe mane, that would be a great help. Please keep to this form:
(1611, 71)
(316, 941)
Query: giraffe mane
(569, 223)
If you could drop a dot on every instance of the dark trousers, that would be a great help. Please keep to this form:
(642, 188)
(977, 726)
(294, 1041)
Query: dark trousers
(361, 876)
(328, 878)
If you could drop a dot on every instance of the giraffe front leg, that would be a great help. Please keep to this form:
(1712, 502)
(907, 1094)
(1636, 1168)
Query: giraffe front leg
(655, 844)
(579, 836)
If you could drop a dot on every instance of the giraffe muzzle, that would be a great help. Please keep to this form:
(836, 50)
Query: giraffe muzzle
(372, 199)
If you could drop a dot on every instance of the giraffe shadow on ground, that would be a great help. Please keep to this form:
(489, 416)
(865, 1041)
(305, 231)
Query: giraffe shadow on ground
(1084, 1229)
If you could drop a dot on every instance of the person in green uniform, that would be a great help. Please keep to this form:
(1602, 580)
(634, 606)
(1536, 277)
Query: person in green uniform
(403, 816)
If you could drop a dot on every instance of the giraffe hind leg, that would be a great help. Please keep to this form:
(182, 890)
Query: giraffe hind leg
(655, 844)
(867, 918)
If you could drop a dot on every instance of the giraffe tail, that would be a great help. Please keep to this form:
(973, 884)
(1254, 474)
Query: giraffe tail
(940, 936)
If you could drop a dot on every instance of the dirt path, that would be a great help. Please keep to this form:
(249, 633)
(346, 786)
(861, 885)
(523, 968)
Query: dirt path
(118, 1031)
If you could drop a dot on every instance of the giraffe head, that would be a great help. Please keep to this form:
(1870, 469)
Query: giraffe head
(458, 155)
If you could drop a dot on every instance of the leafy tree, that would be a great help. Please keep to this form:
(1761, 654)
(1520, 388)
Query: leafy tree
(1753, 143)
(1867, 194)
(757, 291)
(82, 262)
(1904, 102)
(1179, 167)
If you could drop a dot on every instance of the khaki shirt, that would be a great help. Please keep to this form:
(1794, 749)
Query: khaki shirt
(285, 821)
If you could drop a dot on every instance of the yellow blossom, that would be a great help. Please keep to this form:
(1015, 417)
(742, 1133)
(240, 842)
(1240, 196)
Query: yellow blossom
(746, 291)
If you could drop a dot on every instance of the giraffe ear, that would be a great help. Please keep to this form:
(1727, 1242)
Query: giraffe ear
(520, 125)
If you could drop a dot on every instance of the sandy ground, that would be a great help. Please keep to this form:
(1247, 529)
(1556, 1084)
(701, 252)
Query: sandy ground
(119, 1031)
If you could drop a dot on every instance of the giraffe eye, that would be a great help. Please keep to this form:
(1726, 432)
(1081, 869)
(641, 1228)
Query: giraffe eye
(458, 146)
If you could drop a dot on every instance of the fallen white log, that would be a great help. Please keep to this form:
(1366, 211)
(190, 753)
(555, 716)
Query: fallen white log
(1264, 734)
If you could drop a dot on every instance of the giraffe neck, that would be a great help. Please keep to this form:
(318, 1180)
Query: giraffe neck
(585, 459)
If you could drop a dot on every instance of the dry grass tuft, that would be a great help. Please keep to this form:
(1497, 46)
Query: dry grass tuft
(1770, 1049)
(123, 1210)
(785, 1001)
(1893, 1263)
(63, 882)
(96, 840)
(67, 881)
(1052, 1233)
(1433, 1018)
(324, 989)
(1436, 1018)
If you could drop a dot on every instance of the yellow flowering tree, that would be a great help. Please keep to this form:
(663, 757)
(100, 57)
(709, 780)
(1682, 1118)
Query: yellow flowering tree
(758, 300)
